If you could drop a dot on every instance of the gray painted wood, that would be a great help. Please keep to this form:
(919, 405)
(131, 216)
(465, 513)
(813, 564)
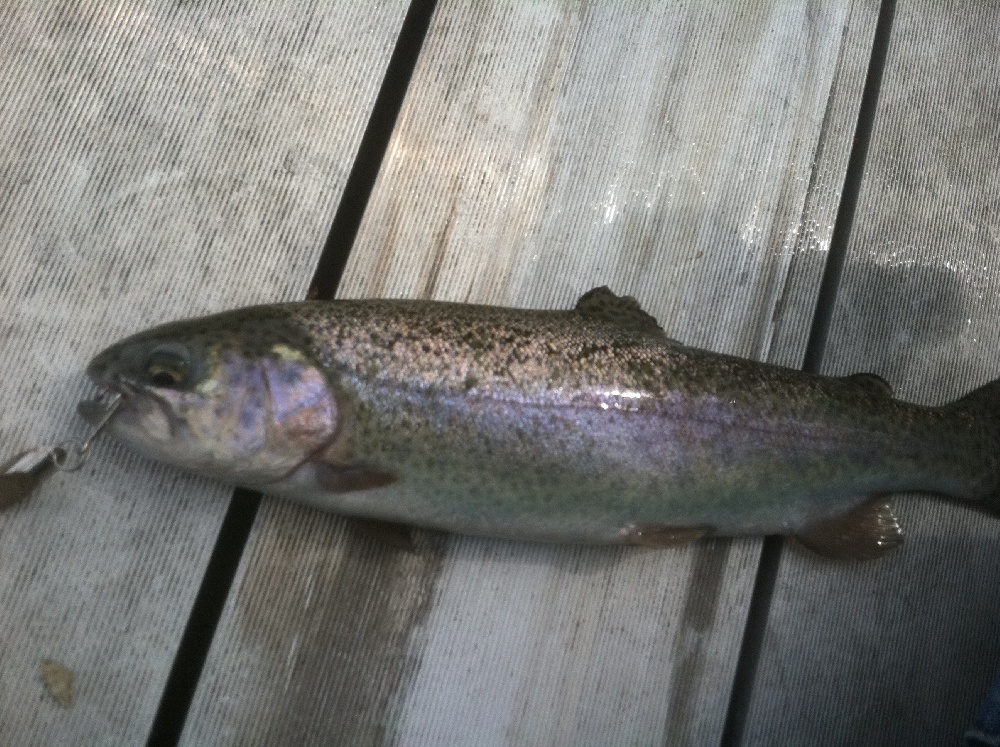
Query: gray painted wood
(159, 160)
(901, 651)
(686, 155)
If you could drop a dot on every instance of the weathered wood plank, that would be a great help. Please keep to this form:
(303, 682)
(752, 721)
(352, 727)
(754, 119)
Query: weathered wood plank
(160, 160)
(900, 651)
(680, 154)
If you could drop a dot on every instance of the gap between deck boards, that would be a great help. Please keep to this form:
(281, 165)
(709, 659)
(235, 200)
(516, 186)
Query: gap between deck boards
(770, 557)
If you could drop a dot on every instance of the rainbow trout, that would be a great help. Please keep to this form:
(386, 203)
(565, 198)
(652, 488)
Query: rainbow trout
(588, 425)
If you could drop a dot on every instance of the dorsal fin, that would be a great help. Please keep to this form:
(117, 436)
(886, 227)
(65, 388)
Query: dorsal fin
(872, 382)
(601, 303)
(865, 532)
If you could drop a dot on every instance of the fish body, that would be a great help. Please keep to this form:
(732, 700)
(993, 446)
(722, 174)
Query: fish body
(585, 425)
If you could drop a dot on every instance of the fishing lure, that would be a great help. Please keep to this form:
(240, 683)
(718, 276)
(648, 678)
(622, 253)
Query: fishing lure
(23, 473)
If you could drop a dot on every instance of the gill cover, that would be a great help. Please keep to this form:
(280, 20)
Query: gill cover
(235, 396)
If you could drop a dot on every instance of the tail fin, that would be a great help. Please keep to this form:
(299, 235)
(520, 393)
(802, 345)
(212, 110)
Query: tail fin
(979, 412)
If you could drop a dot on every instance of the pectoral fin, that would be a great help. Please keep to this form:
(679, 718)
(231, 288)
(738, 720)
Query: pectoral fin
(660, 535)
(863, 533)
(343, 479)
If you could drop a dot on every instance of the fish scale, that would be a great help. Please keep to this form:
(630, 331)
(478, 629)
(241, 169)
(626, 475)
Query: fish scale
(585, 425)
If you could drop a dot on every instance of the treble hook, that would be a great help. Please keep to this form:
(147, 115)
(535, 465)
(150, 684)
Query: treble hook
(72, 453)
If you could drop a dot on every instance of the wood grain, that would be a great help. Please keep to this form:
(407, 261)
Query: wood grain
(901, 651)
(160, 160)
(688, 155)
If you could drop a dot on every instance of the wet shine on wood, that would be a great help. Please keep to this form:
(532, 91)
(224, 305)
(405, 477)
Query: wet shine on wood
(901, 652)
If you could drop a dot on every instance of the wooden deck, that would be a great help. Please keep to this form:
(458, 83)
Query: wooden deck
(163, 160)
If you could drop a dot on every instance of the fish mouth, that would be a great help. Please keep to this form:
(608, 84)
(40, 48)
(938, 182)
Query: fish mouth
(113, 393)
(96, 409)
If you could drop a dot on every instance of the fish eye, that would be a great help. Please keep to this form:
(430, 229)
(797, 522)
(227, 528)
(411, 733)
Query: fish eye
(167, 367)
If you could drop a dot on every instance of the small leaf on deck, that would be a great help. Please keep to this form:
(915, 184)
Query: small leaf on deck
(59, 680)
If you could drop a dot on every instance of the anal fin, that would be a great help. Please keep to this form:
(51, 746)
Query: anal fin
(865, 532)
(660, 535)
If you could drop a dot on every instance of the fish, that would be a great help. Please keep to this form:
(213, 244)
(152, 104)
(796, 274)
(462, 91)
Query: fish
(586, 425)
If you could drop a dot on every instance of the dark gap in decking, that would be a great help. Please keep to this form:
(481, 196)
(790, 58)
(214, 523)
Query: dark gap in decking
(770, 559)
(235, 531)
(374, 143)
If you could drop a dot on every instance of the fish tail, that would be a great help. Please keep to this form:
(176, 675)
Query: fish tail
(979, 412)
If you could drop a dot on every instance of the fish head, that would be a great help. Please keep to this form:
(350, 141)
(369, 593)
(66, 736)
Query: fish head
(238, 396)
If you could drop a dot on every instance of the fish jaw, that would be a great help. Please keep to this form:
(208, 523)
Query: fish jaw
(142, 419)
(136, 410)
